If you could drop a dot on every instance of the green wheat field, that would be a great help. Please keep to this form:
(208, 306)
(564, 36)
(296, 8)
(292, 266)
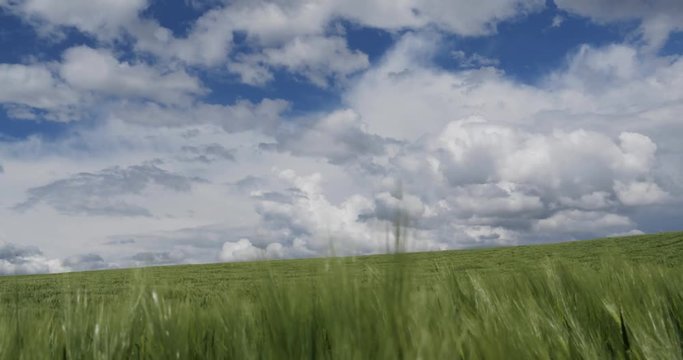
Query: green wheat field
(617, 298)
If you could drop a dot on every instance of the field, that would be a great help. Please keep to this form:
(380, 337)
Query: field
(618, 298)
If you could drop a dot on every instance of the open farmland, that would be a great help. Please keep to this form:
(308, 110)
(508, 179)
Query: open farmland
(607, 298)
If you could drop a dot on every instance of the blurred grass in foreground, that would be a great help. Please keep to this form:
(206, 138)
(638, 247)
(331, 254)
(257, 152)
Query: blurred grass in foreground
(612, 298)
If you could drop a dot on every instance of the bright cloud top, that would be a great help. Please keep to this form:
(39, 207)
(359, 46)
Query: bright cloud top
(252, 130)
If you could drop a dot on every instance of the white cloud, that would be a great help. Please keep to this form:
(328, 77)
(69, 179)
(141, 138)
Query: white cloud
(576, 221)
(267, 24)
(459, 17)
(35, 86)
(22, 260)
(592, 68)
(272, 23)
(275, 23)
(634, 232)
(305, 223)
(208, 43)
(99, 71)
(316, 58)
(476, 20)
(658, 17)
(86, 80)
(103, 18)
(639, 193)
(295, 35)
(607, 88)
(472, 131)
(241, 250)
(405, 97)
(473, 60)
(558, 20)
(282, 42)
(303, 218)
(491, 171)
(483, 152)
(479, 174)
(15, 260)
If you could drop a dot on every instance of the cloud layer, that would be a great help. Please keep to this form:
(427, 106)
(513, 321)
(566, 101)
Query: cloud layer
(160, 164)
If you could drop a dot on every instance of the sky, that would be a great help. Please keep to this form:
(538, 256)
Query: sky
(149, 132)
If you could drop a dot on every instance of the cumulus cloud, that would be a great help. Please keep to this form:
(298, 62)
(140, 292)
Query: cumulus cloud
(242, 250)
(488, 184)
(295, 35)
(17, 260)
(639, 193)
(597, 85)
(316, 58)
(492, 182)
(586, 222)
(299, 47)
(491, 171)
(490, 177)
(208, 42)
(276, 21)
(478, 152)
(484, 174)
(103, 18)
(23, 260)
(474, 20)
(85, 79)
(303, 220)
(99, 71)
(35, 86)
(300, 221)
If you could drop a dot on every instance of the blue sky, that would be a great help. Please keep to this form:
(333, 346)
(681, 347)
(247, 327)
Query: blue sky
(140, 132)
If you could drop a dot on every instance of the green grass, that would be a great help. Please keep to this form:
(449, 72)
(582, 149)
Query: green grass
(611, 298)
